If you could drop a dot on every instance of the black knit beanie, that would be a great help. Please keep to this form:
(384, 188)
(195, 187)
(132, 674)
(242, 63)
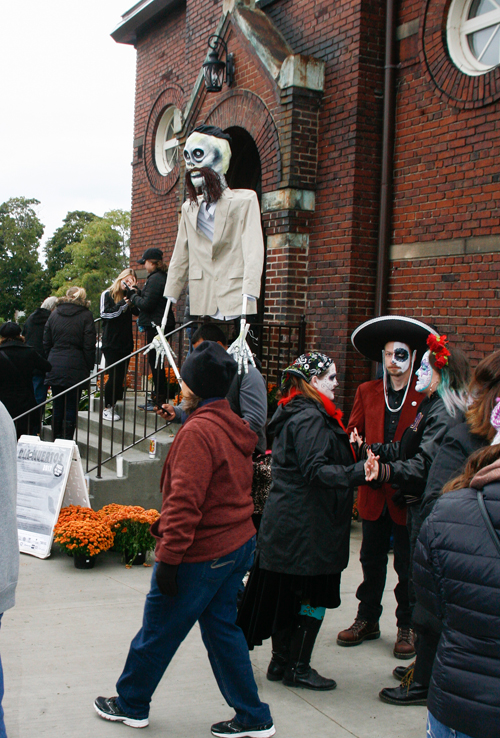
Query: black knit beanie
(10, 330)
(209, 370)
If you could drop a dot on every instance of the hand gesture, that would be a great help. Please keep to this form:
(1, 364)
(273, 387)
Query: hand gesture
(356, 438)
(167, 412)
(371, 466)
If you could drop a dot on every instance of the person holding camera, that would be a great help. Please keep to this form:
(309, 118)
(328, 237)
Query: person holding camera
(151, 304)
(117, 338)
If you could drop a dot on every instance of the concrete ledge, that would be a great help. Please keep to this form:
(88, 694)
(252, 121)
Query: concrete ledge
(453, 247)
(288, 199)
(288, 240)
(407, 29)
(302, 71)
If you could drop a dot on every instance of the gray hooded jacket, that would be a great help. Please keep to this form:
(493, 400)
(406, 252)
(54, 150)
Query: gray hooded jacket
(9, 543)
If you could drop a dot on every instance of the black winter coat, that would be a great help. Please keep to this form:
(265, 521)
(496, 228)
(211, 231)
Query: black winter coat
(33, 330)
(411, 458)
(457, 581)
(18, 362)
(450, 460)
(69, 344)
(152, 303)
(307, 518)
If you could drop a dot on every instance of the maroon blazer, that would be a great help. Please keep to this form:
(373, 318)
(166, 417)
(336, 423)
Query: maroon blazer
(367, 416)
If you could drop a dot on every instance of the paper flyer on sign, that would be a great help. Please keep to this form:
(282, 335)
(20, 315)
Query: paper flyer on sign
(42, 470)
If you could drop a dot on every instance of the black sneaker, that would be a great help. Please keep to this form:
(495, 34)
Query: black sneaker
(234, 729)
(107, 708)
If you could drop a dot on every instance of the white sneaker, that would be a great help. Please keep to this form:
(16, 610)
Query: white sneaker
(110, 414)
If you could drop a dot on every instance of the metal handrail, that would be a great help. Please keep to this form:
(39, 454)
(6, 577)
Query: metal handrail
(274, 346)
(94, 378)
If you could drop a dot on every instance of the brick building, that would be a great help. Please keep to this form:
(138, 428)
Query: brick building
(370, 131)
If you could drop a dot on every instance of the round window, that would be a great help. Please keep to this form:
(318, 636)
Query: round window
(473, 30)
(166, 143)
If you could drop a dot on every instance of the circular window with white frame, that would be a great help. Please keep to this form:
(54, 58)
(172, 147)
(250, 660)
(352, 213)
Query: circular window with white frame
(166, 143)
(473, 33)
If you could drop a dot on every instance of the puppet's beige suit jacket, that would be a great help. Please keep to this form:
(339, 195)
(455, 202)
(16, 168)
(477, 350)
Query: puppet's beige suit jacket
(220, 272)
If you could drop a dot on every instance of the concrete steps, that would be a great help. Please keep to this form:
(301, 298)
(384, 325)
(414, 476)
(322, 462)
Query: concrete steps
(140, 484)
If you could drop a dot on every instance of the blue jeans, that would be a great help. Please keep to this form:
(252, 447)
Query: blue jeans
(207, 594)
(3, 732)
(435, 729)
(39, 388)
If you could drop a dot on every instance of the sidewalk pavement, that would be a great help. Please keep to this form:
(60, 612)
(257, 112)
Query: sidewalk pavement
(66, 640)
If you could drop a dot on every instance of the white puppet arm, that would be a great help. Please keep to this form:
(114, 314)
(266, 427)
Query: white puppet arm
(161, 345)
(240, 348)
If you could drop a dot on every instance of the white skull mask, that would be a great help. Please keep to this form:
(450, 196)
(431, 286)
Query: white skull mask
(400, 356)
(206, 151)
(424, 374)
(327, 382)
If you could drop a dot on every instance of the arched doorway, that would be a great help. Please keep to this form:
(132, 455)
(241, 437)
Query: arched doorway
(245, 170)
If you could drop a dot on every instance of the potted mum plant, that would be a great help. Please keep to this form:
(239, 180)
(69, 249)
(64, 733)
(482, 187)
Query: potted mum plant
(130, 525)
(83, 533)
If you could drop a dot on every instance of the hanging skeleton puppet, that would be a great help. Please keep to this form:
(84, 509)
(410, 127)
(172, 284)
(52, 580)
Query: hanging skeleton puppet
(219, 246)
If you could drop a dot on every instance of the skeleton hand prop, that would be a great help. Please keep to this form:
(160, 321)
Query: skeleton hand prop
(162, 346)
(240, 349)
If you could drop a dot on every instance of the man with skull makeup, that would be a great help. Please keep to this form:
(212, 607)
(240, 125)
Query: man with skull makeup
(382, 409)
(219, 245)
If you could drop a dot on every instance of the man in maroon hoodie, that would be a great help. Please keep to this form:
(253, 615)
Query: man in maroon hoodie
(205, 544)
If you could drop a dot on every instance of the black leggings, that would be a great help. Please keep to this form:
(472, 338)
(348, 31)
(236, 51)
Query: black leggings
(113, 390)
(64, 412)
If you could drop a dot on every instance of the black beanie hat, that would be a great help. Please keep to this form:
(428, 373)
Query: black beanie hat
(209, 370)
(10, 330)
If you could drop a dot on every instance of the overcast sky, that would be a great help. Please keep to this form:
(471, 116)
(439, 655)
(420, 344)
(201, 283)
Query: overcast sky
(67, 92)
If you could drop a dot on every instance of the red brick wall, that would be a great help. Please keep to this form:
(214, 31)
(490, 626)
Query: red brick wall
(460, 295)
(348, 37)
(445, 178)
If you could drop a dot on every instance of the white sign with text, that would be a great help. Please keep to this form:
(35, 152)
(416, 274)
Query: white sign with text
(49, 476)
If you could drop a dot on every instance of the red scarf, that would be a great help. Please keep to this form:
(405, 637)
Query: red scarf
(329, 406)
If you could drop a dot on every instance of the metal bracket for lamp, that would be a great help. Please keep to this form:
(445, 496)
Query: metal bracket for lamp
(215, 71)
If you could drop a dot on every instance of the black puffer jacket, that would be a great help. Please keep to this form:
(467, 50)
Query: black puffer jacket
(18, 362)
(457, 581)
(450, 460)
(411, 458)
(152, 303)
(69, 343)
(34, 328)
(307, 518)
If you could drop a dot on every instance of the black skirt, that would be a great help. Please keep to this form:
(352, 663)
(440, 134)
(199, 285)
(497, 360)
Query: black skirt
(272, 601)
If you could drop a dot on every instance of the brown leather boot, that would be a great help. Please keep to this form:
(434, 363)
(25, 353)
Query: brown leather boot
(404, 648)
(360, 630)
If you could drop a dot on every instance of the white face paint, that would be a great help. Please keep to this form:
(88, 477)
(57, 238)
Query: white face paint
(424, 374)
(327, 383)
(206, 151)
(397, 357)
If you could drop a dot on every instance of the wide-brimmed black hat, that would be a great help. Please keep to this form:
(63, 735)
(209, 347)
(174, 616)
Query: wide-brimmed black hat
(370, 337)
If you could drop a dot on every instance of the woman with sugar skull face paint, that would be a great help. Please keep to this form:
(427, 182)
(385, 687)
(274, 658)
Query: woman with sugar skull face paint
(303, 541)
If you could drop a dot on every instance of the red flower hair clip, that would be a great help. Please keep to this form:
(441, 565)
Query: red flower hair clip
(437, 347)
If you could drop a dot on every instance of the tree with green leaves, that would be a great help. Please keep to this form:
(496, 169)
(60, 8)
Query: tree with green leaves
(94, 261)
(24, 283)
(56, 256)
(120, 221)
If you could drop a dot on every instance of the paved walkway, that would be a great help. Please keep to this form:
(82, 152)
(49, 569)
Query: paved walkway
(66, 640)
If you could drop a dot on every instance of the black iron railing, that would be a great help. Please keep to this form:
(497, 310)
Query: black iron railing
(276, 345)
